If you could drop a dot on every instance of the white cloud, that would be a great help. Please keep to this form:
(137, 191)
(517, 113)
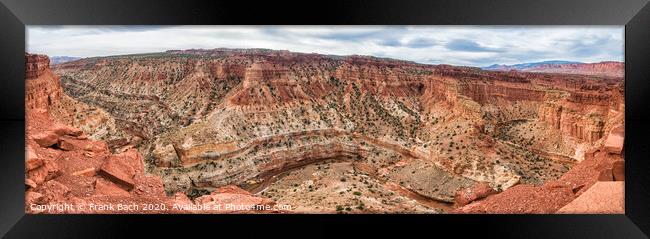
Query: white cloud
(462, 45)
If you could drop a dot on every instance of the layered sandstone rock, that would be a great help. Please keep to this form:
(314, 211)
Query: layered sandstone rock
(204, 119)
(478, 191)
(57, 175)
(42, 88)
(615, 139)
(64, 167)
(36, 65)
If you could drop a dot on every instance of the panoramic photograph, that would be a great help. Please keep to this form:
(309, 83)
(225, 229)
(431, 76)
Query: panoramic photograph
(324, 119)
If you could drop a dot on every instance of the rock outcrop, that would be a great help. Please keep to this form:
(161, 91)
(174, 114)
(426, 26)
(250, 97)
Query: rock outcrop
(586, 188)
(614, 142)
(36, 65)
(476, 192)
(42, 88)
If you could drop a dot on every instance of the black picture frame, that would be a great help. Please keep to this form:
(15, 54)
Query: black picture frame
(635, 15)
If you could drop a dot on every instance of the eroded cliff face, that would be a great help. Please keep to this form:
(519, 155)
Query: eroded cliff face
(42, 88)
(36, 65)
(64, 167)
(366, 133)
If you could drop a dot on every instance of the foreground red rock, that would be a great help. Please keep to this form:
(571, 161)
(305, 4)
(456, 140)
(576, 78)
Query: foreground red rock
(108, 188)
(32, 161)
(601, 198)
(118, 170)
(113, 183)
(45, 139)
(232, 199)
(478, 191)
(551, 196)
(614, 142)
(523, 199)
(62, 130)
(618, 169)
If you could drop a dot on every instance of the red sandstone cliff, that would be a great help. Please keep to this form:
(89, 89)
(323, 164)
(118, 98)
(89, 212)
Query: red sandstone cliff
(42, 88)
(36, 65)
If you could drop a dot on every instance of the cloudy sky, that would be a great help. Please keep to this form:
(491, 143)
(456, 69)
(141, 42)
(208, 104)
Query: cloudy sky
(456, 45)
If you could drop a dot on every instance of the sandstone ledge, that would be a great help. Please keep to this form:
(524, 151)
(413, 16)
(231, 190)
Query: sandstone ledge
(602, 198)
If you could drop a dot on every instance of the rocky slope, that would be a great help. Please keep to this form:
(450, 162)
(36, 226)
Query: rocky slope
(331, 133)
(66, 172)
(604, 165)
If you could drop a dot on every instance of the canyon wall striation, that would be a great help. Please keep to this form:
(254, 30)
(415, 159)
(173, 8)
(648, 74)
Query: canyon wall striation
(398, 132)
(42, 88)
(63, 166)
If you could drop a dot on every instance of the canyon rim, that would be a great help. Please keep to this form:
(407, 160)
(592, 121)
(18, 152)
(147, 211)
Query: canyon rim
(252, 130)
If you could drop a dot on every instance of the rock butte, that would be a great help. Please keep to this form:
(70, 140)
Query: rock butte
(323, 134)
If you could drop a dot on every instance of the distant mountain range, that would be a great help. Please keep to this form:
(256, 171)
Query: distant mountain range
(605, 68)
(62, 59)
(522, 66)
